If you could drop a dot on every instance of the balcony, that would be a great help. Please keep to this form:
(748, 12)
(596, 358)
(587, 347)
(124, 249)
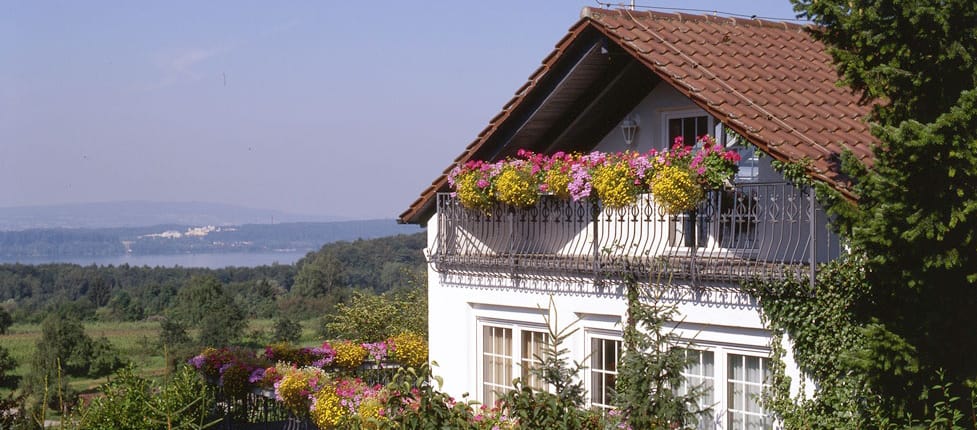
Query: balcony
(766, 231)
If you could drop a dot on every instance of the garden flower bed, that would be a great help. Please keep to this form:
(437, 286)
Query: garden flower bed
(344, 384)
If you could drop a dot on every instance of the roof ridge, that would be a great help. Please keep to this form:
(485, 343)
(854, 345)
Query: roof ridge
(596, 13)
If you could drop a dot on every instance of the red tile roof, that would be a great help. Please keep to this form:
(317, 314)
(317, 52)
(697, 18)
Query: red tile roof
(768, 81)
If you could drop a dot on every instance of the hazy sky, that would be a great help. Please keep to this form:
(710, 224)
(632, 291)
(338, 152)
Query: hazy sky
(343, 108)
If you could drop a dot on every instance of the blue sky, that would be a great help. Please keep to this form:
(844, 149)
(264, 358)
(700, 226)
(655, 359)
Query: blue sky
(339, 108)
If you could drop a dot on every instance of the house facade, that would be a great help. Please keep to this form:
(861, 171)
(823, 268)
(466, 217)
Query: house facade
(626, 80)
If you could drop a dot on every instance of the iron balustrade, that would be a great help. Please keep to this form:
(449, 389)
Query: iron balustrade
(766, 231)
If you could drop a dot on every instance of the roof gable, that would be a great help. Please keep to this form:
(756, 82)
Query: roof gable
(770, 82)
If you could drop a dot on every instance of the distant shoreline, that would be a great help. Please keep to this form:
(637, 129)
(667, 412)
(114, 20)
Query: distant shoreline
(202, 260)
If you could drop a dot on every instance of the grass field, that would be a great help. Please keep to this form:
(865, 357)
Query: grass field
(135, 341)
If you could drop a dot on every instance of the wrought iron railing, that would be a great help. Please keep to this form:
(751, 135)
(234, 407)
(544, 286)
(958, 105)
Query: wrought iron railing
(753, 231)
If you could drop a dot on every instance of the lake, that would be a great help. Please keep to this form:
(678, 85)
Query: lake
(209, 261)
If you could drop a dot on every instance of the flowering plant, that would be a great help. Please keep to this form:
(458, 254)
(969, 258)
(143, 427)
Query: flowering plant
(619, 178)
(676, 189)
(349, 355)
(714, 166)
(409, 349)
(473, 184)
(297, 386)
(557, 174)
(517, 184)
(614, 178)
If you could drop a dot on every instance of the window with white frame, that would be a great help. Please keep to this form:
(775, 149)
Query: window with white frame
(502, 358)
(747, 376)
(700, 375)
(604, 355)
(687, 124)
(730, 381)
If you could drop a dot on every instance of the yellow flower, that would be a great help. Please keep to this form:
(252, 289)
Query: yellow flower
(409, 349)
(516, 186)
(349, 355)
(615, 184)
(676, 190)
(370, 409)
(295, 387)
(557, 181)
(327, 411)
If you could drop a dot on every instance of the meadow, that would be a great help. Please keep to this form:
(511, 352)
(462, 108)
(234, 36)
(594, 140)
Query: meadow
(136, 342)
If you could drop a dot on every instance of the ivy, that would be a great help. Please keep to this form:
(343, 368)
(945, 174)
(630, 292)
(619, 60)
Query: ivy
(839, 354)
(794, 171)
(821, 329)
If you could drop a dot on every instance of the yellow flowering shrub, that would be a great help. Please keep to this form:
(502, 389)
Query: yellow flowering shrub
(409, 349)
(616, 184)
(676, 190)
(327, 410)
(349, 355)
(517, 186)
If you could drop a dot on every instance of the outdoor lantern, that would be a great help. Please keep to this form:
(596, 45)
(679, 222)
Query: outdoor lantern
(629, 127)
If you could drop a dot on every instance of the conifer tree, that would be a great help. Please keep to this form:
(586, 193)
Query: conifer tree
(915, 220)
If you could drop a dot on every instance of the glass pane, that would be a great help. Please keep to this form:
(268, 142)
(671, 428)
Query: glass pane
(735, 421)
(674, 129)
(736, 371)
(688, 130)
(597, 387)
(701, 126)
(610, 355)
(707, 392)
(707, 421)
(753, 393)
(753, 369)
(487, 369)
(754, 422)
(597, 356)
(736, 396)
(695, 365)
(708, 368)
(508, 342)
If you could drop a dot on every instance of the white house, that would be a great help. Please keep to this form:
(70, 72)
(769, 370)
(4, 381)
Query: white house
(662, 75)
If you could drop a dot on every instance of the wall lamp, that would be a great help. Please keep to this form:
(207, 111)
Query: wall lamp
(629, 127)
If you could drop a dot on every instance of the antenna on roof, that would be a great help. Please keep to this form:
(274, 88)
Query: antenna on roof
(632, 4)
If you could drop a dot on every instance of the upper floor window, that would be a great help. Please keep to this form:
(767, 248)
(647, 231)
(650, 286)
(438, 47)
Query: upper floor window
(689, 124)
(749, 170)
(692, 123)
